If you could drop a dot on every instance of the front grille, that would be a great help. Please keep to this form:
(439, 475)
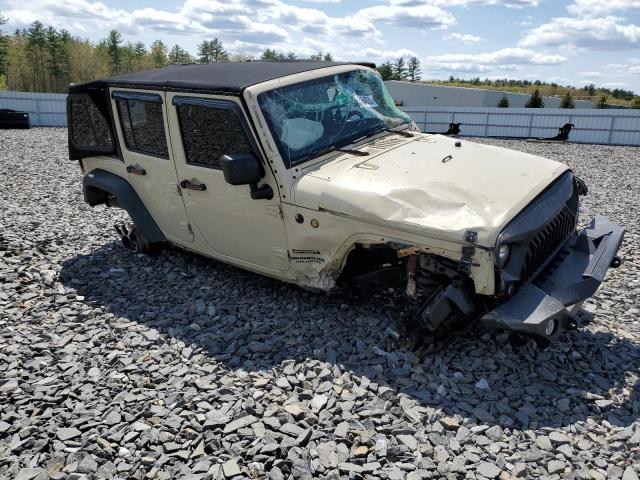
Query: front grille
(547, 243)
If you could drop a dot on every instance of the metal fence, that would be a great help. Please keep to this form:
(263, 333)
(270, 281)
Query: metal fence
(608, 127)
(45, 109)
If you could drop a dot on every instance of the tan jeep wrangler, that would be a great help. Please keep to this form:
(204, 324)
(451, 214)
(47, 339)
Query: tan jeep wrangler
(308, 172)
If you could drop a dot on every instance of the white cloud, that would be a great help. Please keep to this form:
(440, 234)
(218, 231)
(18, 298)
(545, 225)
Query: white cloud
(416, 16)
(595, 33)
(584, 8)
(468, 3)
(505, 60)
(465, 38)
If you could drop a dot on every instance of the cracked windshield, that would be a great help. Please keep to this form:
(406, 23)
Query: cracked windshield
(313, 117)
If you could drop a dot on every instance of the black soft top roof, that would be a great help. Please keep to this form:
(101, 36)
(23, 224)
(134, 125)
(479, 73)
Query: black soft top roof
(232, 77)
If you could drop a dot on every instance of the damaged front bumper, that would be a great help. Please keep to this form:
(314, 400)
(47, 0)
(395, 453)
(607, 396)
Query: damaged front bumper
(545, 306)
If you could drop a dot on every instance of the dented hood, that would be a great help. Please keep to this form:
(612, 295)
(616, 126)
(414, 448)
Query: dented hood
(405, 183)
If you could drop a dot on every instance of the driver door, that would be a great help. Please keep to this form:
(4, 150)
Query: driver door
(226, 221)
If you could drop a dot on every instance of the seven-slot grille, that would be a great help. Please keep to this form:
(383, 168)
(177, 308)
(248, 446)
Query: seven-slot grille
(547, 242)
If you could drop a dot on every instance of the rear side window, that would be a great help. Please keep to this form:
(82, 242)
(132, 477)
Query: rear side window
(89, 128)
(142, 123)
(210, 129)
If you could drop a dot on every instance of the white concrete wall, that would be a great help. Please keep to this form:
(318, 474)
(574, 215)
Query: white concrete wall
(606, 127)
(423, 94)
(45, 109)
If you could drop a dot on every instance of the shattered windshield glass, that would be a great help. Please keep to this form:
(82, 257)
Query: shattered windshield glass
(309, 118)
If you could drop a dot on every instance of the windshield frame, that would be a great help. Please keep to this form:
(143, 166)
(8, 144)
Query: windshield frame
(332, 146)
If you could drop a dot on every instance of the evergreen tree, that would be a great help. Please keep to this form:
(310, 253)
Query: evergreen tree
(36, 45)
(139, 54)
(399, 69)
(413, 69)
(291, 56)
(271, 54)
(535, 101)
(128, 55)
(112, 42)
(327, 57)
(159, 54)
(56, 64)
(567, 101)
(503, 102)
(179, 55)
(635, 103)
(386, 71)
(212, 51)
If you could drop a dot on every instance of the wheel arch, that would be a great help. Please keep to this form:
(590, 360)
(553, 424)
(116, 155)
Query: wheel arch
(102, 187)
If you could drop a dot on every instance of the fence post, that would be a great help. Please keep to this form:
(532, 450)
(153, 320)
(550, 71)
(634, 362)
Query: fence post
(613, 121)
(530, 125)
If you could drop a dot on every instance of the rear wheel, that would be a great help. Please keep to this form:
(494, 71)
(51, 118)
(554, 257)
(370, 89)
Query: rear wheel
(133, 239)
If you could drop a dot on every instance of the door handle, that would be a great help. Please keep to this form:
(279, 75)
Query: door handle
(193, 186)
(136, 170)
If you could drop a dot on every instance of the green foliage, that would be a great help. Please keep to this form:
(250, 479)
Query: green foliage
(386, 71)
(159, 54)
(272, 54)
(179, 56)
(503, 102)
(602, 101)
(212, 51)
(3, 52)
(399, 69)
(567, 101)
(112, 43)
(413, 69)
(535, 101)
(635, 103)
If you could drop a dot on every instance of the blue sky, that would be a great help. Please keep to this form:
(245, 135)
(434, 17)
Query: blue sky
(570, 42)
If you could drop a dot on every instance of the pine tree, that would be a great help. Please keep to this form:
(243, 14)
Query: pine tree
(327, 57)
(386, 71)
(179, 55)
(504, 102)
(567, 101)
(291, 56)
(413, 69)
(535, 101)
(36, 44)
(399, 69)
(635, 103)
(159, 53)
(112, 43)
(128, 55)
(55, 61)
(218, 53)
(139, 52)
(271, 54)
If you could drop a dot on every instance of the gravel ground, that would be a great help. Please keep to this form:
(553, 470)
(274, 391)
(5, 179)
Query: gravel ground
(116, 365)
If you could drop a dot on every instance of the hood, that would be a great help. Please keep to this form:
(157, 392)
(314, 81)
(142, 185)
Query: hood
(405, 183)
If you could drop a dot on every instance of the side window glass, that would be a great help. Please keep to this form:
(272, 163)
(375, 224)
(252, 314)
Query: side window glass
(143, 125)
(209, 132)
(89, 128)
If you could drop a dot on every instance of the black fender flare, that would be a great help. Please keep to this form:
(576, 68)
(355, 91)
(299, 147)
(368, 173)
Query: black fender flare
(98, 185)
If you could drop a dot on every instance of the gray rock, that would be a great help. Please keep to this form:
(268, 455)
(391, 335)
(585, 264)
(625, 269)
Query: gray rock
(488, 470)
(65, 434)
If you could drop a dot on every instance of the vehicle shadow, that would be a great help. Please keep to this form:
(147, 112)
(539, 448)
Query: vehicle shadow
(252, 323)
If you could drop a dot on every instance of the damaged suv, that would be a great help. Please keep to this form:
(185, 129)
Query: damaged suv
(309, 173)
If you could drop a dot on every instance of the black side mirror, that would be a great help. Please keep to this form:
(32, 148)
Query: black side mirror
(244, 169)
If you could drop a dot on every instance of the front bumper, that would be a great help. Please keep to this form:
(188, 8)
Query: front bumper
(544, 307)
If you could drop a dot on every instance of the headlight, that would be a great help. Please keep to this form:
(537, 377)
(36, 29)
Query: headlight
(502, 255)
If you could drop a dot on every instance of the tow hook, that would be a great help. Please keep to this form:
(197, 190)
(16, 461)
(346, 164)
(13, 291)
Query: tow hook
(616, 262)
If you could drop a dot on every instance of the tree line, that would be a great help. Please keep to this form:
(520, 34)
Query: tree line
(41, 58)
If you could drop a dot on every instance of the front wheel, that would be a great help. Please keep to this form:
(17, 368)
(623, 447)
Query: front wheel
(133, 239)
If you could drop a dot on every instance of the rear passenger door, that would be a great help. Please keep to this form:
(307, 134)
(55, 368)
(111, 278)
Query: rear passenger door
(226, 220)
(145, 144)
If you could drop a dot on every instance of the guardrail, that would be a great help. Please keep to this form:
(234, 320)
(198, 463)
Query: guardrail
(45, 109)
(608, 127)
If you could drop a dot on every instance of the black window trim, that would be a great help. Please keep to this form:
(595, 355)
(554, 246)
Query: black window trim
(79, 151)
(140, 97)
(221, 104)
